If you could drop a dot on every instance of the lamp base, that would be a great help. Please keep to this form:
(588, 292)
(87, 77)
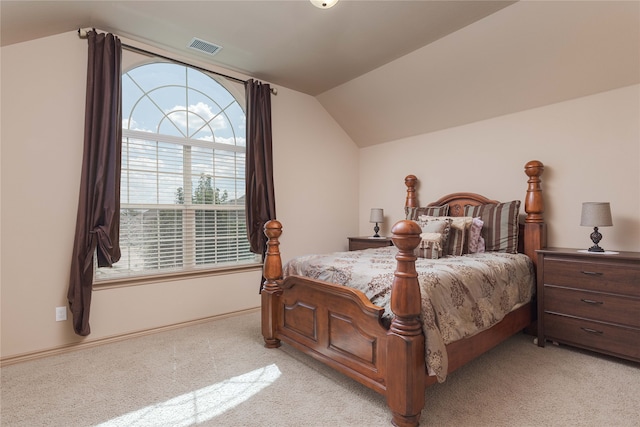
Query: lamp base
(595, 238)
(376, 229)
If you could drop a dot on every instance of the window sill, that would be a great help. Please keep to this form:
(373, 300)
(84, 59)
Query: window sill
(172, 277)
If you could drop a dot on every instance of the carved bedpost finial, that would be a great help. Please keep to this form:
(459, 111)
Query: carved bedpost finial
(406, 237)
(534, 203)
(271, 291)
(411, 202)
(534, 227)
(272, 263)
(405, 341)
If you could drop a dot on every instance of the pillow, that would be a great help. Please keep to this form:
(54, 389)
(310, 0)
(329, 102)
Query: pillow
(457, 233)
(474, 239)
(430, 246)
(435, 233)
(434, 224)
(414, 213)
(458, 237)
(500, 228)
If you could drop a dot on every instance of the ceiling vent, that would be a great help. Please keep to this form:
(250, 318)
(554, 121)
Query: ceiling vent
(204, 46)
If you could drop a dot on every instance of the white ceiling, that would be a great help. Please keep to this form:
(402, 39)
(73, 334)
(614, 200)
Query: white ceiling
(288, 43)
(385, 69)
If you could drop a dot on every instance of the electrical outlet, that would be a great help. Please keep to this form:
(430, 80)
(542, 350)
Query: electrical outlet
(61, 314)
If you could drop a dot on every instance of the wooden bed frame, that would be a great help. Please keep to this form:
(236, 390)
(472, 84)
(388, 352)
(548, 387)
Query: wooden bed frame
(342, 328)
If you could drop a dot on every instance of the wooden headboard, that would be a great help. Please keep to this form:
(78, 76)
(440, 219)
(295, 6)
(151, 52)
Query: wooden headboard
(532, 235)
(457, 202)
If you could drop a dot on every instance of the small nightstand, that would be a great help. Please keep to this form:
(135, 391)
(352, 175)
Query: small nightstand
(590, 300)
(357, 243)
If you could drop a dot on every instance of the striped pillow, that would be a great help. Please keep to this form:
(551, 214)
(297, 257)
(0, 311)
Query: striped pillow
(458, 236)
(414, 213)
(500, 228)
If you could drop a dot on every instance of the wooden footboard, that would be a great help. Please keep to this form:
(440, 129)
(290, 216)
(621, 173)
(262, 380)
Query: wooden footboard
(336, 325)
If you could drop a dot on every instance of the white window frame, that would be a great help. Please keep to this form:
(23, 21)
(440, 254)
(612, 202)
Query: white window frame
(188, 247)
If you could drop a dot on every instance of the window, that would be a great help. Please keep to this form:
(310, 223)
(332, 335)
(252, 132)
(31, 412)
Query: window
(183, 168)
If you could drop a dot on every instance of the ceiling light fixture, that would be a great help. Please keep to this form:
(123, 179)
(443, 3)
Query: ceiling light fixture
(323, 4)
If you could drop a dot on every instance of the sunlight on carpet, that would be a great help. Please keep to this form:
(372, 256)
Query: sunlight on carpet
(200, 405)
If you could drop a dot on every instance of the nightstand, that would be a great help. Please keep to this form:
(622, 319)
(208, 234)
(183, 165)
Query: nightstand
(590, 300)
(357, 243)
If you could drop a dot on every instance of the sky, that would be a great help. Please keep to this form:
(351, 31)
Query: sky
(177, 103)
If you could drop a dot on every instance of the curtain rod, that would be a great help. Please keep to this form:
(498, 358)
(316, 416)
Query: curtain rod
(82, 33)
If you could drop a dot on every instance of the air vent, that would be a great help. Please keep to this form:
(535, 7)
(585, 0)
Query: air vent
(204, 46)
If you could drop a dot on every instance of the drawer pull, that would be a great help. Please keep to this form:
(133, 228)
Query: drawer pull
(590, 301)
(591, 273)
(592, 331)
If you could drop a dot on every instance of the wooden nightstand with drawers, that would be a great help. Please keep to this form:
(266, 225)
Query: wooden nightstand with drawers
(357, 243)
(591, 301)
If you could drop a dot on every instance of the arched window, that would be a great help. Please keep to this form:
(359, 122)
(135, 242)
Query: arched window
(183, 166)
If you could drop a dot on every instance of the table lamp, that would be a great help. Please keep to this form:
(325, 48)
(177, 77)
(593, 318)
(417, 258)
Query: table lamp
(377, 215)
(596, 214)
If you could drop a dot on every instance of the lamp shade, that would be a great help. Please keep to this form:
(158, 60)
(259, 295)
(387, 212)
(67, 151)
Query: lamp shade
(377, 215)
(596, 214)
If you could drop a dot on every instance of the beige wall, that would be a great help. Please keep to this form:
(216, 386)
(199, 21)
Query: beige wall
(43, 91)
(590, 147)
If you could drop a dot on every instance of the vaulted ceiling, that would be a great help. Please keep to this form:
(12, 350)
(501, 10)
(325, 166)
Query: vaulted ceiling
(288, 43)
(383, 69)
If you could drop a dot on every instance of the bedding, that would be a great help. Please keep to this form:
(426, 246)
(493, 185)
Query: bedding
(414, 213)
(461, 295)
(434, 237)
(500, 229)
(475, 243)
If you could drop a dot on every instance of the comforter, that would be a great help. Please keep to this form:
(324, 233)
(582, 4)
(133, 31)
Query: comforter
(461, 295)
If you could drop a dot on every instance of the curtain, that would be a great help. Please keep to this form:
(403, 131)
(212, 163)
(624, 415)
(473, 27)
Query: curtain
(260, 195)
(98, 218)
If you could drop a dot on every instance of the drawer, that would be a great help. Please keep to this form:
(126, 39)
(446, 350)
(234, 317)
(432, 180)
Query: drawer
(359, 244)
(617, 277)
(593, 305)
(610, 339)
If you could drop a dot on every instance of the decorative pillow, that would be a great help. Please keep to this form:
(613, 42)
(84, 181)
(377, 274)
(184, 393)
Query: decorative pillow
(435, 233)
(500, 228)
(474, 238)
(414, 213)
(457, 234)
(430, 246)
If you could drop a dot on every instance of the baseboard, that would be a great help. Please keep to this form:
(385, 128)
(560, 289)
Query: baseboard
(6, 361)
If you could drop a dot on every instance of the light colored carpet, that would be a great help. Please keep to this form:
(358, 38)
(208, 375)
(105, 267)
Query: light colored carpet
(219, 374)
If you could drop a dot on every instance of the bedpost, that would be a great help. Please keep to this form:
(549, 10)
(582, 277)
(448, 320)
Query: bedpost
(411, 202)
(271, 291)
(405, 341)
(534, 226)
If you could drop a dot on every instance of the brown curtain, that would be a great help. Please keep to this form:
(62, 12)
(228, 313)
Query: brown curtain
(98, 220)
(260, 195)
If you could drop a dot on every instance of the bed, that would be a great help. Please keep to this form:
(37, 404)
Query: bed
(386, 350)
